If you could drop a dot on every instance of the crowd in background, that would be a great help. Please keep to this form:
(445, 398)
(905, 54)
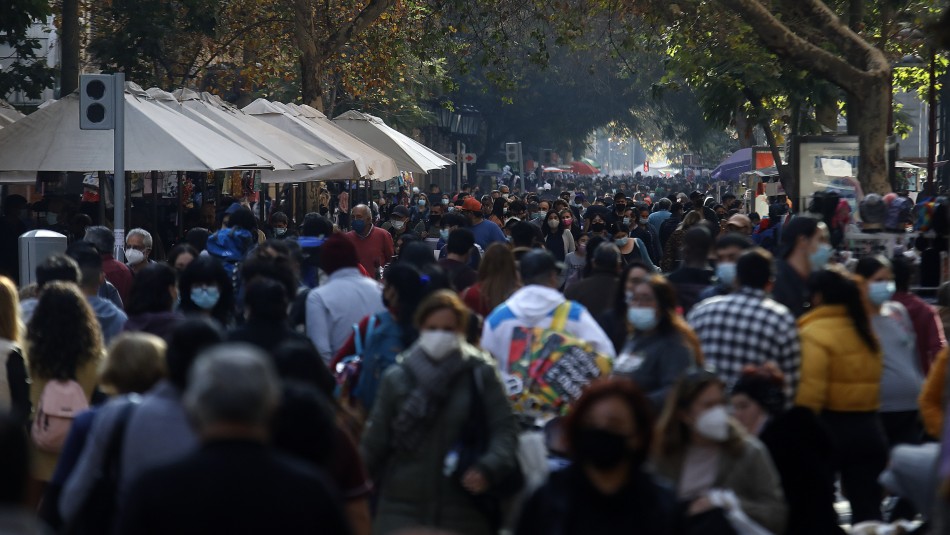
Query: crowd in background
(368, 370)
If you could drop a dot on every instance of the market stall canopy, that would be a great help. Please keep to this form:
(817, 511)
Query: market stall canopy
(359, 159)
(739, 162)
(409, 154)
(384, 166)
(8, 114)
(905, 165)
(583, 168)
(156, 139)
(284, 151)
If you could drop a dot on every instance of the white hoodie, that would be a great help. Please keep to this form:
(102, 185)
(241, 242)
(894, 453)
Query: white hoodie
(534, 306)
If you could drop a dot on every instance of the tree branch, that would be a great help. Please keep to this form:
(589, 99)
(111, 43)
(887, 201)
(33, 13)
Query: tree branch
(342, 35)
(782, 41)
(854, 47)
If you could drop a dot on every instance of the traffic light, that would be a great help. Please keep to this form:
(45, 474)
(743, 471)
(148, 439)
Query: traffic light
(511, 153)
(97, 102)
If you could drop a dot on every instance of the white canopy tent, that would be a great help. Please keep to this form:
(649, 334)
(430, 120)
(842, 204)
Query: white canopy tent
(364, 161)
(409, 154)
(8, 114)
(283, 151)
(156, 139)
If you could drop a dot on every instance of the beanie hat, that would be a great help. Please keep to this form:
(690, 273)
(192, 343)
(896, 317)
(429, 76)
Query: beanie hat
(764, 390)
(338, 252)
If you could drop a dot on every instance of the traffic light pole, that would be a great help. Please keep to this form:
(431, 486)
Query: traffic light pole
(118, 197)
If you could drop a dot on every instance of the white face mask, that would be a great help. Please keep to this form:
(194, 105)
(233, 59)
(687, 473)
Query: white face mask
(553, 223)
(713, 423)
(398, 224)
(134, 256)
(439, 344)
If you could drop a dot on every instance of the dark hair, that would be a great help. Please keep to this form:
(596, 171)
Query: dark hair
(315, 224)
(266, 299)
(63, 333)
(498, 208)
(57, 268)
(454, 220)
(101, 238)
(837, 287)
(150, 290)
(180, 249)
(867, 266)
(697, 242)
(15, 468)
(602, 389)
(461, 241)
(765, 385)
(412, 287)
(89, 260)
(545, 229)
(243, 218)
(207, 270)
(901, 268)
(734, 239)
(417, 253)
(796, 228)
(279, 217)
(299, 360)
(198, 238)
(524, 234)
(592, 245)
(303, 424)
(755, 268)
(279, 267)
(187, 340)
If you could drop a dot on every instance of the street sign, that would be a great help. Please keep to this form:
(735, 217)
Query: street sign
(469, 157)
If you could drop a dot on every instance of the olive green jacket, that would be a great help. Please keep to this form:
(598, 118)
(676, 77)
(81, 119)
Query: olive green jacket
(413, 490)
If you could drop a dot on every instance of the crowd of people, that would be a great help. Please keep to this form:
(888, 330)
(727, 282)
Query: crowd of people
(591, 357)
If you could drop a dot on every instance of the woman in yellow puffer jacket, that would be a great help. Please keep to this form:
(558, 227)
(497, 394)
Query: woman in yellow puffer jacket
(841, 376)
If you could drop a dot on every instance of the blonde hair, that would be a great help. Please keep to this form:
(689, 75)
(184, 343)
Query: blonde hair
(10, 325)
(135, 362)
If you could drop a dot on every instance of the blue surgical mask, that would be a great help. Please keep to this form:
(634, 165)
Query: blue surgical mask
(622, 242)
(626, 221)
(642, 318)
(726, 273)
(359, 226)
(820, 257)
(205, 297)
(421, 202)
(444, 234)
(881, 291)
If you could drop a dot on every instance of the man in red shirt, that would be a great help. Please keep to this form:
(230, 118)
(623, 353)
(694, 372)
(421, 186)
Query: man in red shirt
(374, 246)
(116, 272)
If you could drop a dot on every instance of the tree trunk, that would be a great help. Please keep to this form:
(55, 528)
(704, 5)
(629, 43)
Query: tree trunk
(852, 106)
(311, 61)
(745, 128)
(69, 43)
(871, 125)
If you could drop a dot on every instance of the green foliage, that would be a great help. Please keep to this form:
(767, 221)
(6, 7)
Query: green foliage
(26, 72)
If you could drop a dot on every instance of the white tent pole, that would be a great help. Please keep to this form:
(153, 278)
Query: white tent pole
(119, 176)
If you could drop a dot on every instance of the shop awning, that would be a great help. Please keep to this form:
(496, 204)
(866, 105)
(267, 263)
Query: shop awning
(409, 154)
(360, 159)
(737, 163)
(156, 139)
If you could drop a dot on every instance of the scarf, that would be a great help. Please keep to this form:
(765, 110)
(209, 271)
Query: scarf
(434, 381)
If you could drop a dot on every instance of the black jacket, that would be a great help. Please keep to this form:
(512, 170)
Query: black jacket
(569, 505)
(232, 487)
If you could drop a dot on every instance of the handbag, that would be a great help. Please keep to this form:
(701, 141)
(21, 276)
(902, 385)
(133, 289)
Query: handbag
(472, 445)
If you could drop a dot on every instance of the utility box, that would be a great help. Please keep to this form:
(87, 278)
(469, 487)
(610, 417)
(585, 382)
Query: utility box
(35, 247)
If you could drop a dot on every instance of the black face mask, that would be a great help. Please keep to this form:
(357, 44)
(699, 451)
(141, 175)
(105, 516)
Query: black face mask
(597, 227)
(603, 449)
(620, 208)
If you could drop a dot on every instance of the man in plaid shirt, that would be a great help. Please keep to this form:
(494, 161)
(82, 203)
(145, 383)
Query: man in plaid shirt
(748, 327)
